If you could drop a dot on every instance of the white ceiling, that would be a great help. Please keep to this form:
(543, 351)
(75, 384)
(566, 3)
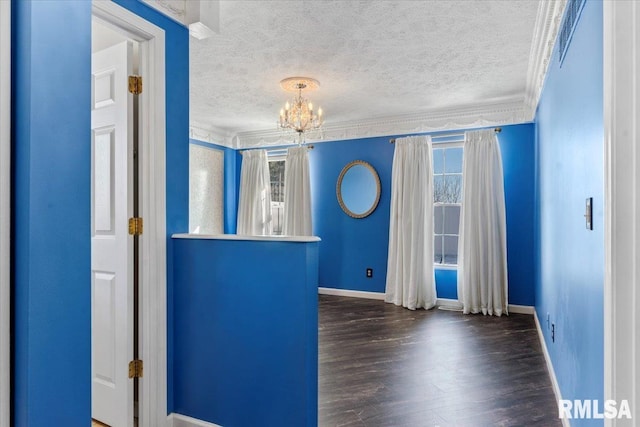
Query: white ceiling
(377, 61)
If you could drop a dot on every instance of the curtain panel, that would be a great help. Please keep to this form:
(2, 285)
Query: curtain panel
(254, 207)
(297, 193)
(482, 245)
(410, 276)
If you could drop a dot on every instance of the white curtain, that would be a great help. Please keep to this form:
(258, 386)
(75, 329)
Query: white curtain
(482, 245)
(297, 193)
(410, 276)
(254, 208)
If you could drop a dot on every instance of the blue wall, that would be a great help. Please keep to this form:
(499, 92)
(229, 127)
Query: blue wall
(350, 245)
(232, 162)
(247, 351)
(51, 206)
(51, 211)
(570, 270)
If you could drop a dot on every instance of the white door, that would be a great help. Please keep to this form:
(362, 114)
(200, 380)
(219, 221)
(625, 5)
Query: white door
(111, 245)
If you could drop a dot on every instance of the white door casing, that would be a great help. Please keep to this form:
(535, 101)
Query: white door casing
(153, 264)
(111, 245)
(621, 44)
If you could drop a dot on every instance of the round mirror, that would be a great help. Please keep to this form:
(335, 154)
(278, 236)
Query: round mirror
(358, 189)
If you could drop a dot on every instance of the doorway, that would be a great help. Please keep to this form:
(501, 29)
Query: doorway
(115, 26)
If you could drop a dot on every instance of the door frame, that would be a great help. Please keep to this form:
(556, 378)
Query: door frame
(5, 211)
(621, 39)
(153, 258)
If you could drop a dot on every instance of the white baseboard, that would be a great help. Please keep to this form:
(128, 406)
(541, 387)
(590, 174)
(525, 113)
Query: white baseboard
(448, 303)
(454, 304)
(521, 309)
(350, 293)
(441, 302)
(552, 372)
(177, 420)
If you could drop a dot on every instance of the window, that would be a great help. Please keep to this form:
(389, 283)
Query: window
(447, 199)
(276, 172)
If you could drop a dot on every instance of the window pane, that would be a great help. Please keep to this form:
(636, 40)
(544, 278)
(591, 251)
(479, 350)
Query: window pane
(438, 160)
(439, 191)
(450, 254)
(277, 216)
(438, 220)
(453, 160)
(452, 189)
(451, 219)
(437, 249)
(276, 172)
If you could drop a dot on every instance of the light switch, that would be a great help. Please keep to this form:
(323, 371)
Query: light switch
(588, 214)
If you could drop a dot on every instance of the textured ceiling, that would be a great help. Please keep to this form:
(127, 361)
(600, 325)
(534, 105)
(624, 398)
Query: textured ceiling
(372, 58)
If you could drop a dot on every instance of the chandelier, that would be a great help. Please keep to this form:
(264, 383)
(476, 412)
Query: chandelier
(299, 114)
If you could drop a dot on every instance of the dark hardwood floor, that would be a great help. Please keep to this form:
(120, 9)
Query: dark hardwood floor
(382, 365)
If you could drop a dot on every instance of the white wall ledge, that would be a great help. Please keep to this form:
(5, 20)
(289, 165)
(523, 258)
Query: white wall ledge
(298, 239)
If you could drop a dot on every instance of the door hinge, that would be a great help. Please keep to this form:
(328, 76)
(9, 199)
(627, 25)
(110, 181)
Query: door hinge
(135, 226)
(135, 368)
(135, 85)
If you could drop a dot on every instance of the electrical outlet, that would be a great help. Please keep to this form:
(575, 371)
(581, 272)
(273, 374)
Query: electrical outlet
(369, 272)
(553, 332)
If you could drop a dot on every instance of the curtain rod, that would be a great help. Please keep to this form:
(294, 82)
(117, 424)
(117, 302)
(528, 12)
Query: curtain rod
(446, 135)
(309, 147)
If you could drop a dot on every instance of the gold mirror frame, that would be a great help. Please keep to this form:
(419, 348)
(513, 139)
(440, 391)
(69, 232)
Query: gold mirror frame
(344, 207)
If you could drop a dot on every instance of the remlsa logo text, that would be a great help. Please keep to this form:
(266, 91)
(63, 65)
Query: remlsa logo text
(590, 409)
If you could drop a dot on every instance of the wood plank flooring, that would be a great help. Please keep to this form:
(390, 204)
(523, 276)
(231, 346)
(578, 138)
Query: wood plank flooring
(382, 365)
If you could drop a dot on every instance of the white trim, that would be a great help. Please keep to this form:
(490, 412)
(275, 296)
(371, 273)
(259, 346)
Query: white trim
(621, 41)
(521, 309)
(212, 134)
(497, 114)
(153, 272)
(544, 35)
(454, 304)
(5, 211)
(349, 293)
(177, 420)
(449, 304)
(450, 267)
(486, 115)
(297, 239)
(552, 372)
(440, 302)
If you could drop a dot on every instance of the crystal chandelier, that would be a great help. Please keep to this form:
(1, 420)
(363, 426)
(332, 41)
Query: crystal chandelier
(299, 114)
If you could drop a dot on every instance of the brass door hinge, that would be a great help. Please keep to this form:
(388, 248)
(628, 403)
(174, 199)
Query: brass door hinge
(135, 85)
(135, 368)
(135, 226)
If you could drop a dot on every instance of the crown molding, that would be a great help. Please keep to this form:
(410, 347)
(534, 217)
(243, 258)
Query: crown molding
(496, 114)
(174, 9)
(545, 31)
(212, 135)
